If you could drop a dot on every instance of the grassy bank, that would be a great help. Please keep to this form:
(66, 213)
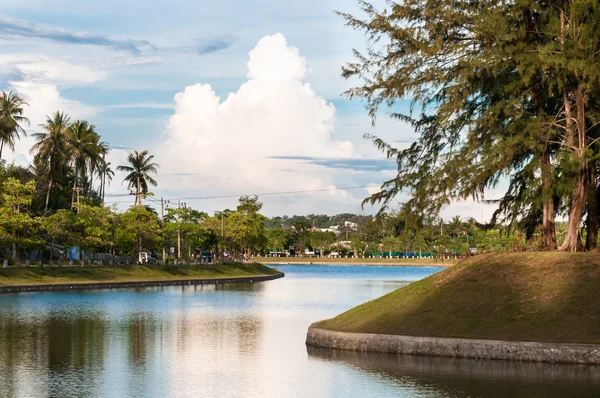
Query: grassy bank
(39, 276)
(545, 297)
(361, 261)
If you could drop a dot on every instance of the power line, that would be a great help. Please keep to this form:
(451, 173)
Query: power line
(271, 193)
(252, 194)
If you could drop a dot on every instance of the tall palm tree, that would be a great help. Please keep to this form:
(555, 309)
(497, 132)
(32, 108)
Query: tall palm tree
(11, 119)
(52, 147)
(139, 169)
(96, 163)
(84, 151)
(106, 174)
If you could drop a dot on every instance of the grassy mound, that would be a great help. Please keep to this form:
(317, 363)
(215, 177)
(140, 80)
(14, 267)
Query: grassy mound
(545, 297)
(38, 276)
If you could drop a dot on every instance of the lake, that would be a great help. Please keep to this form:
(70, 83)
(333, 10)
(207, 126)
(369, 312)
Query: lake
(240, 340)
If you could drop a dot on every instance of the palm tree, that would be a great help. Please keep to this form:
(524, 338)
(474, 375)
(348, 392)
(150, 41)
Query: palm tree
(11, 119)
(96, 163)
(84, 151)
(106, 174)
(52, 147)
(139, 169)
(456, 225)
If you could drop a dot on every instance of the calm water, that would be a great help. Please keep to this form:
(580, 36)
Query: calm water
(239, 341)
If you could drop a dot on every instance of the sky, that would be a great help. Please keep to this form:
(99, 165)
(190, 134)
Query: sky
(231, 97)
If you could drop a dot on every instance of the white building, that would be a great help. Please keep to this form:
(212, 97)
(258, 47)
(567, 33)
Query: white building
(352, 225)
(334, 228)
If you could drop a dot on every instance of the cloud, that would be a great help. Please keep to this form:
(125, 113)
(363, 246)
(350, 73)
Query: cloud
(38, 81)
(19, 28)
(347, 164)
(209, 45)
(42, 69)
(231, 146)
(22, 28)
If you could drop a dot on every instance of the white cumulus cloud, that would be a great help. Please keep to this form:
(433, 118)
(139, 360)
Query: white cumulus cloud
(216, 146)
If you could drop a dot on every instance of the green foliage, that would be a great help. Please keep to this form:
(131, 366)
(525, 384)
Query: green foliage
(138, 229)
(17, 227)
(140, 167)
(497, 89)
(12, 120)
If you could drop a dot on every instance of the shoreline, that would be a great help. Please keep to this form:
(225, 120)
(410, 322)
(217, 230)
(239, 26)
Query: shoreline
(56, 287)
(357, 263)
(571, 353)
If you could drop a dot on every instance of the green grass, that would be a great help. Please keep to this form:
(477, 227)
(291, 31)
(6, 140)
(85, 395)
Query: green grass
(545, 297)
(46, 275)
(362, 261)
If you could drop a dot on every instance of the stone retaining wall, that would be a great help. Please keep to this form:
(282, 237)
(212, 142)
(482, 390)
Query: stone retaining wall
(457, 348)
(121, 285)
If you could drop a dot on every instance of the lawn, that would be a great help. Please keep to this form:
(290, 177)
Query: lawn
(47, 275)
(546, 297)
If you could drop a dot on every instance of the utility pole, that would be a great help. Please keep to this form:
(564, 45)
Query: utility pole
(162, 222)
(178, 229)
(222, 235)
(77, 190)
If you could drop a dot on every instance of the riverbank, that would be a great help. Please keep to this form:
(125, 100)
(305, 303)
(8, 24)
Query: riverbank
(583, 354)
(66, 278)
(415, 262)
(520, 297)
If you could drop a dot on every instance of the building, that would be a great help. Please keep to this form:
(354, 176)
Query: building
(351, 225)
(334, 228)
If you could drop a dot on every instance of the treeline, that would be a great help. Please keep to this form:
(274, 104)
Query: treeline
(180, 233)
(390, 232)
(316, 220)
(502, 94)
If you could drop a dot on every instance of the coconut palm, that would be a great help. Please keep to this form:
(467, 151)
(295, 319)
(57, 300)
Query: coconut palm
(106, 174)
(456, 225)
(84, 151)
(52, 148)
(139, 169)
(11, 119)
(96, 163)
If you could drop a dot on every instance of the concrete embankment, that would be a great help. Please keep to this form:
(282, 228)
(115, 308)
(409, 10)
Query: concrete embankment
(458, 348)
(121, 285)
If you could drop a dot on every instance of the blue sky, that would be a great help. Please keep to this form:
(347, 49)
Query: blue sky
(120, 64)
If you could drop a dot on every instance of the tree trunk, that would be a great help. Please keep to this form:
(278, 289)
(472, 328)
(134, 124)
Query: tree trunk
(74, 188)
(548, 224)
(591, 241)
(572, 241)
(48, 193)
(103, 186)
(139, 198)
(576, 141)
(1, 148)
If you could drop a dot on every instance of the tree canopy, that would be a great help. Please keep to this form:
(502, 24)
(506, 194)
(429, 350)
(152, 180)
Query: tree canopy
(498, 91)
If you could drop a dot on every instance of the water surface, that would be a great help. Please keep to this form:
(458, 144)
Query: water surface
(239, 340)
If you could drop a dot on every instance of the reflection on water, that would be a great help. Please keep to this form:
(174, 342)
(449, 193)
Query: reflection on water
(237, 340)
(459, 377)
